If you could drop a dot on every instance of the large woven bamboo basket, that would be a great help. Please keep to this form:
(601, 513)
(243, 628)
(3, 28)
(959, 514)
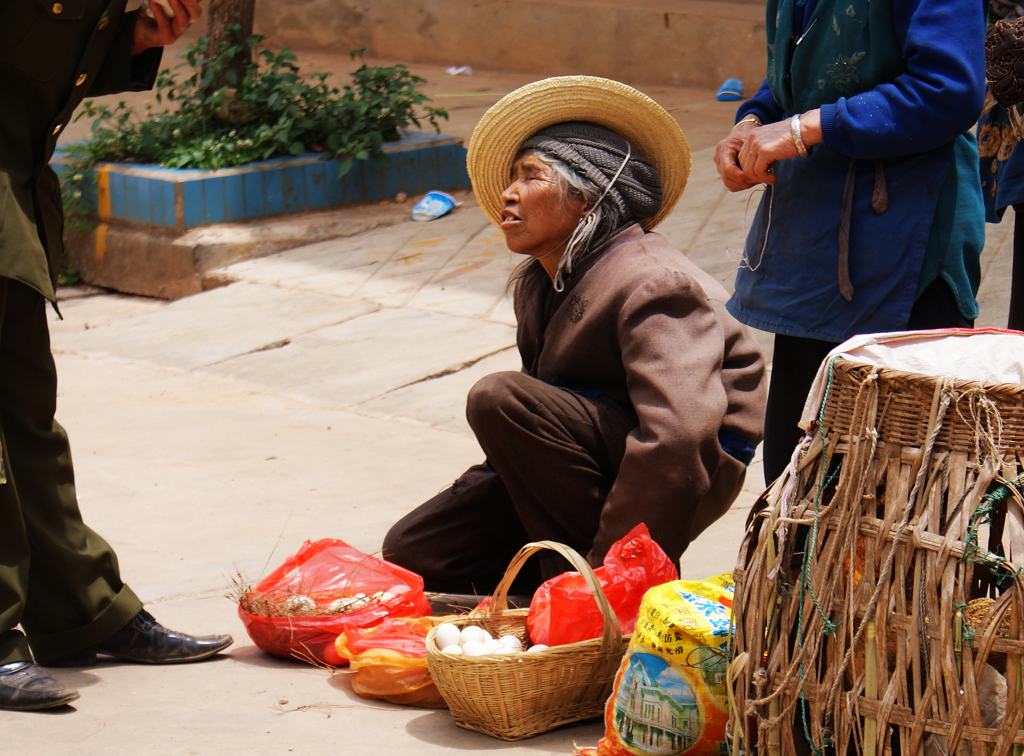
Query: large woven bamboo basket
(878, 608)
(515, 696)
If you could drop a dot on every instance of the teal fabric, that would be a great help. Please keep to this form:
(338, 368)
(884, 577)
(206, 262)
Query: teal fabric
(847, 47)
(958, 236)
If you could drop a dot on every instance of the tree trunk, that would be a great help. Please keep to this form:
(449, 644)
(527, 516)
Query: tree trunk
(230, 22)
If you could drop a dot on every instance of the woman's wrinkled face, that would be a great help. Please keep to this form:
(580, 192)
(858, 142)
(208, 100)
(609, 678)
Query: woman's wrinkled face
(538, 216)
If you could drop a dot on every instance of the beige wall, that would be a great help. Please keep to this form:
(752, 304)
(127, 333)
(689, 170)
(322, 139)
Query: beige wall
(689, 42)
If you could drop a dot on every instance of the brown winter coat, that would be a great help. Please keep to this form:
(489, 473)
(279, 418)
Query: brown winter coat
(645, 327)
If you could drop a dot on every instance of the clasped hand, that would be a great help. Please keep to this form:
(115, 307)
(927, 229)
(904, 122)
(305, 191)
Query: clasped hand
(745, 157)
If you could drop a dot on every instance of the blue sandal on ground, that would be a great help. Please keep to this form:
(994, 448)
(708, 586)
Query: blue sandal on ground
(730, 91)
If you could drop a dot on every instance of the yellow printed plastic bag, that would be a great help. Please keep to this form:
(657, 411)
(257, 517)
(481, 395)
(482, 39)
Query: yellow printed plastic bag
(670, 694)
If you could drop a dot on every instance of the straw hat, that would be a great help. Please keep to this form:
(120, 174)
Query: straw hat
(522, 113)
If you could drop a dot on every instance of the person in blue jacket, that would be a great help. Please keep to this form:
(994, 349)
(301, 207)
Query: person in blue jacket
(872, 217)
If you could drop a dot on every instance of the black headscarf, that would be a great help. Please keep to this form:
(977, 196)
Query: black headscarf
(597, 153)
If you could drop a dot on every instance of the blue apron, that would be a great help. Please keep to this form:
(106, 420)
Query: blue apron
(793, 278)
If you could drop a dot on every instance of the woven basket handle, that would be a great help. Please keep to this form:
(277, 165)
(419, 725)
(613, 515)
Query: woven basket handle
(612, 635)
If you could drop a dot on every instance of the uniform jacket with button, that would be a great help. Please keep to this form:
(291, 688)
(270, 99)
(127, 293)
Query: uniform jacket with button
(53, 53)
(643, 326)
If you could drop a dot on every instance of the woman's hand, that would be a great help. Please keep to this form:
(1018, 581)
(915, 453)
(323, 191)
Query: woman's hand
(162, 30)
(766, 145)
(727, 157)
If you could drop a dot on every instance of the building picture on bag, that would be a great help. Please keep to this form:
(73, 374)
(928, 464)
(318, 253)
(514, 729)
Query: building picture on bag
(655, 708)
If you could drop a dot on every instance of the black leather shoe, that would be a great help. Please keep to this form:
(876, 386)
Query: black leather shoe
(25, 686)
(146, 641)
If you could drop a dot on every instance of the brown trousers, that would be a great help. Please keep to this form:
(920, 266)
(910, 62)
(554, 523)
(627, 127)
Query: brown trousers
(552, 456)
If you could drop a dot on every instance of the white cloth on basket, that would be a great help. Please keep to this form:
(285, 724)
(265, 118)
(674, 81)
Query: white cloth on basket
(989, 355)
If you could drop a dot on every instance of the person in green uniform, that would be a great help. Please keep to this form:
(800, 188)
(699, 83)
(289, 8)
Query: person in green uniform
(59, 580)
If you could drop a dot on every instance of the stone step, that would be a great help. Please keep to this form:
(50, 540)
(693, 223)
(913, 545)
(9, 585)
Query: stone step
(683, 42)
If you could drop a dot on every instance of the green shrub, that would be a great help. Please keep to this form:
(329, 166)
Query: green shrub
(273, 110)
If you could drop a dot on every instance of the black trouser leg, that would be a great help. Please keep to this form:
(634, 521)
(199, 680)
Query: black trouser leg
(58, 578)
(557, 453)
(1016, 316)
(552, 457)
(796, 360)
(461, 540)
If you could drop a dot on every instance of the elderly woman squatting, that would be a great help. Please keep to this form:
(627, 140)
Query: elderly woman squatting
(640, 398)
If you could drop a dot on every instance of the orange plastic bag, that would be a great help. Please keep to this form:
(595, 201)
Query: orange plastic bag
(389, 661)
(300, 608)
(563, 609)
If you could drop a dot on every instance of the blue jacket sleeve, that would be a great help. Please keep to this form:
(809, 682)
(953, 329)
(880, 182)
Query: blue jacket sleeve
(763, 105)
(938, 96)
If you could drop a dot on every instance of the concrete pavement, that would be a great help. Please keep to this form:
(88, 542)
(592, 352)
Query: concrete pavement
(319, 394)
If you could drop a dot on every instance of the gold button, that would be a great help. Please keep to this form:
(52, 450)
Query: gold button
(104, 23)
(57, 128)
(80, 80)
(57, 9)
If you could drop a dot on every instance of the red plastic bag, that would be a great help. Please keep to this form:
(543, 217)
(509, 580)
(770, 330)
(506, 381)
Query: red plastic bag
(300, 608)
(563, 609)
(389, 661)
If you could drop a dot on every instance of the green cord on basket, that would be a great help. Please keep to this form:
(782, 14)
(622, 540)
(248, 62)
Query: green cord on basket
(999, 566)
(823, 484)
(806, 583)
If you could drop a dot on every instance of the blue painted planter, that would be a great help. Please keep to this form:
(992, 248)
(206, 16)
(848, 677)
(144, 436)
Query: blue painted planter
(184, 198)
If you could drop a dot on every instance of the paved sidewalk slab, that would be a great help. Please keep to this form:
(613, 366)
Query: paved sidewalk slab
(996, 270)
(474, 282)
(369, 356)
(400, 278)
(441, 402)
(221, 324)
(195, 477)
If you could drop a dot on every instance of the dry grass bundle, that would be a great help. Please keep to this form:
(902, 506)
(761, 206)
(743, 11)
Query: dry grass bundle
(298, 603)
(979, 612)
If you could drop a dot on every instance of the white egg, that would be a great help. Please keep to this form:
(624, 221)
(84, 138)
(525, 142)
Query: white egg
(511, 642)
(455, 648)
(493, 646)
(342, 605)
(299, 604)
(473, 648)
(537, 649)
(487, 636)
(473, 633)
(447, 635)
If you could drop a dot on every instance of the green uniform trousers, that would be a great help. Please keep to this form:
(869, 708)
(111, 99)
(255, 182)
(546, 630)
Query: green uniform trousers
(58, 579)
